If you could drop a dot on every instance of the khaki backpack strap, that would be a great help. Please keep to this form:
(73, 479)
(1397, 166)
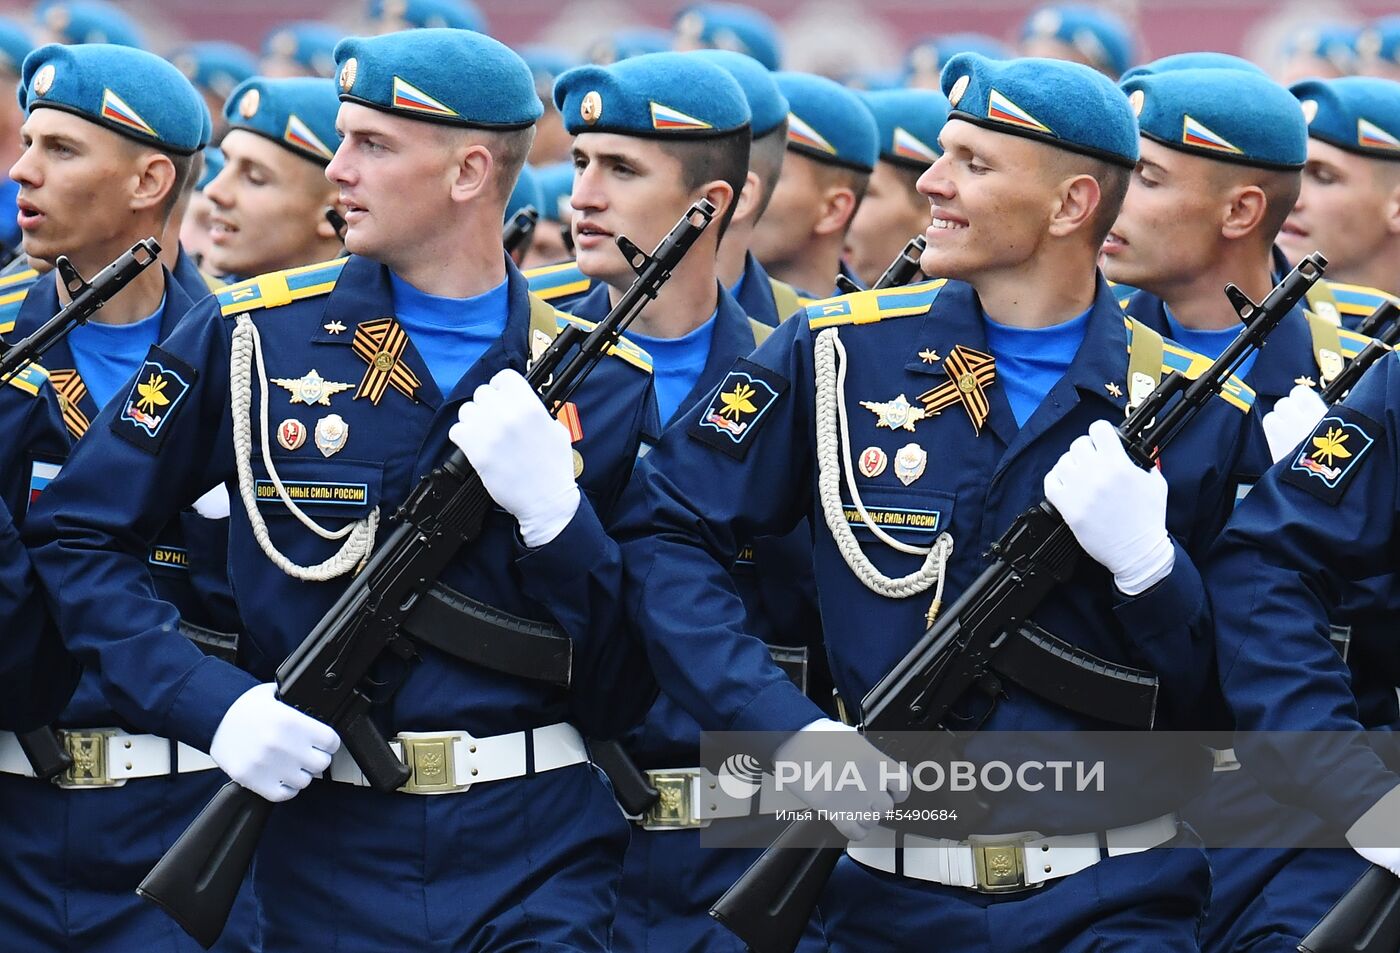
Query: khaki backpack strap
(1145, 359)
(760, 331)
(784, 299)
(1326, 346)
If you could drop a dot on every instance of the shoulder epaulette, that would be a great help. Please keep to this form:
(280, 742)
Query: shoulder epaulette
(30, 379)
(1358, 301)
(1122, 292)
(624, 349)
(277, 288)
(553, 282)
(13, 290)
(867, 307)
(1352, 343)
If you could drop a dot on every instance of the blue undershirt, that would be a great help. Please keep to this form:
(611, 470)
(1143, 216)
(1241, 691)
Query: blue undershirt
(1210, 343)
(1030, 361)
(677, 364)
(107, 356)
(450, 334)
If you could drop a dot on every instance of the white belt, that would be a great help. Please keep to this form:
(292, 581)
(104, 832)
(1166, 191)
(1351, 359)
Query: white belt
(1007, 862)
(446, 762)
(107, 757)
(693, 797)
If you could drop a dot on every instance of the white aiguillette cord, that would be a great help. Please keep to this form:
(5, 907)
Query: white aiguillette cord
(833, 439)
(358, 536)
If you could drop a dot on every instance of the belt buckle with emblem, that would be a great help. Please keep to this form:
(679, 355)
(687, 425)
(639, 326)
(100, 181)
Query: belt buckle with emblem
(674, 807)
(1000, 865)
(432, 761)
(88, 749)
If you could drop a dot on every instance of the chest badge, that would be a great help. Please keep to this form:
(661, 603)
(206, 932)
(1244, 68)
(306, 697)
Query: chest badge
(380, 344)
(311, 388)
(970, 373)
(1305, 381)
(331, 434)
(291, 434)
(897, 414)
(928, 355)
(873, 461)
(1113, 389)
(334, 327)
(910, 462)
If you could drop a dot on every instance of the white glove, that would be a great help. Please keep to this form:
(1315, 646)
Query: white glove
(855, 813)
(1116, 509)
(1379, 826)
(214, 504)
(522, 454)
(269, 747)
(1292, 419)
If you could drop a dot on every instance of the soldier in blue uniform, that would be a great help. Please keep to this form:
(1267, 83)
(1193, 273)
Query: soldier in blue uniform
(893, 211)
(526, 194)
(215, 68)
(93, 111)
(653, 134)
(1080, 34)
(87, 21)
(833, 145)
(923, 64)
(1221, 166)
(1037, 155)
(389, 16)
(194, 227)
(1349, 206)
(268, 204)
(729, 26)
(320, 396)
(15, 44)
(763, 297)
(301, 48)
(548, 63)
(550, 246)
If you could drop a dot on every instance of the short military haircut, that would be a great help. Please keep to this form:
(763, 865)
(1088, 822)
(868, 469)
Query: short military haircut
(830, 175)
(509, 149)
(724, 157)
(766, 161)
(1113, 180)
(909, 179)
(187, 170)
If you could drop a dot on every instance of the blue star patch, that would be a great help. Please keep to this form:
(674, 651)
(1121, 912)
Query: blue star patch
(158, 392)
(1329, 459)
(737, 408)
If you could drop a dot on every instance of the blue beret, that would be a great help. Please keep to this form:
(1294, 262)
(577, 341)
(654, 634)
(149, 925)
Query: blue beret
(526, 192)
(909, 121)
(767, 104)
(1065, 104)
(1198, 60)
(127, 90)
(214, 163)
(1228, 114)
(1381, 39)
(556, 185)
(417, 14)
(448, 76)
(659, 95)
(625, 44)
(15, 44)
(1099, 36)
(547, 63)
(308, 43)
(1358, 113)
(728, 26)
(1333, 42)
(215, 66)
(926, 58)
(88, 21)
(828, 122)
(297, 113)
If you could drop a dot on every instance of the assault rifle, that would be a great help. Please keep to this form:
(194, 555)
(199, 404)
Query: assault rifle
(904, 270)
(769, 906)
(1365, 920)
(86, 299)
(197, 879)
(1384, 330)
(520, 230)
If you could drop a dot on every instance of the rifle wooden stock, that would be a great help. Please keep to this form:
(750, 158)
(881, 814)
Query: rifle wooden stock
(1365, 920)
(769, 906)
(197, 880)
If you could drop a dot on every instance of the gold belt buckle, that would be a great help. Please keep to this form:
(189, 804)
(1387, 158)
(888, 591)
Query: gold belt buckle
(673, 809)
(1000, 866)
(88, 749)
(432, 762)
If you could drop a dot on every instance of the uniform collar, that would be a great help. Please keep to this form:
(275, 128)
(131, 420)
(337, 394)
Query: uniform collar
(756, 293)
(41, 303)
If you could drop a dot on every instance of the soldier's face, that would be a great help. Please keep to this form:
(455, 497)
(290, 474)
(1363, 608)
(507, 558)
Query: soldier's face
(75, 180)
(622, 186)
(1169, 226)
(1349, 207)
(991, 201)
(266, 208)
(394, 177)
(800, 209)
(891, 213)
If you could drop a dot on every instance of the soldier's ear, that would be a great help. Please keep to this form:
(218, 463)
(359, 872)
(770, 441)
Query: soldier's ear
(749, 198)
(721, 195)
(1079, 198)
(154, 178)
(1390, 207)
(1248, 207)
(473, 172)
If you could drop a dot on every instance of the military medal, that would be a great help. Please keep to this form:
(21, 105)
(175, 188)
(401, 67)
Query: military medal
(897, 414)
(291, 433)
(71, 390)
(380, 344)
(311, 388)
(331, 433)
(909, 463)
(970, 373)
(872, 462)
(578, 464)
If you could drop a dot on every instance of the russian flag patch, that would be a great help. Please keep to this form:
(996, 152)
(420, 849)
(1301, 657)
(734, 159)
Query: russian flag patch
(116, 109)
(408, 96)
